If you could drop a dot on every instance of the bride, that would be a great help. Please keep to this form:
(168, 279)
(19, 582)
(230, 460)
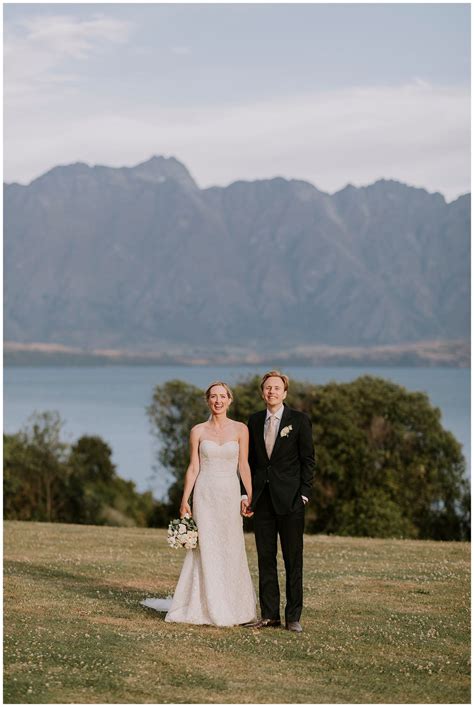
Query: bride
(215, 586)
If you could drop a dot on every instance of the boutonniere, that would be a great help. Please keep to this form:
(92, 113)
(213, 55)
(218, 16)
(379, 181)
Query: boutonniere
(286, 431)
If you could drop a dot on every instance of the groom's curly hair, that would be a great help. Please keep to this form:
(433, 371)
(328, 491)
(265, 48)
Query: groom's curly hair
(276, 374)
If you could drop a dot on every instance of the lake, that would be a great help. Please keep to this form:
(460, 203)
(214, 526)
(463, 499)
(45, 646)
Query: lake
(110, 402)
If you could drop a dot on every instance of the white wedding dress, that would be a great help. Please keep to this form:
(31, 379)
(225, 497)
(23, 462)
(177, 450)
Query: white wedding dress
(214, 586)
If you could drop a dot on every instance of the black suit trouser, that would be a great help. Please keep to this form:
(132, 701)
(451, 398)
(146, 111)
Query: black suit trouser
(290, 527)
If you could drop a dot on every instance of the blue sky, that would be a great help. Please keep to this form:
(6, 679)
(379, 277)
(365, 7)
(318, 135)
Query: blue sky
(329, 93)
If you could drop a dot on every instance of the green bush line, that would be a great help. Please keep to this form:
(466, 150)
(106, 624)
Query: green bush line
(385, 467)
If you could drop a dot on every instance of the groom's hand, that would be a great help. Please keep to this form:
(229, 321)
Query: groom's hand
(244, 508)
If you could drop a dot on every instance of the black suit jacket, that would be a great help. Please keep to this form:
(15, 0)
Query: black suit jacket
(290, 469)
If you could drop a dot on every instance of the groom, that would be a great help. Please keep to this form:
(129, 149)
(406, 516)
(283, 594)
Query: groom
(281, 459)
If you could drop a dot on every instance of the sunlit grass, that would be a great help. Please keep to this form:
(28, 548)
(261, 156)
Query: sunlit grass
(384, 621)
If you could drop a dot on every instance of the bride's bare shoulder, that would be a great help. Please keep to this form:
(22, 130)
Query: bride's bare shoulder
(198, 429)
(241, 428)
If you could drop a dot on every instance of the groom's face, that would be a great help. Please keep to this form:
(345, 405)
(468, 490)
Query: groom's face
(274, 392)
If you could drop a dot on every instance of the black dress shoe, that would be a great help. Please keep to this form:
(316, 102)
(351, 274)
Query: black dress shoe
(294, 626)
(263, 623)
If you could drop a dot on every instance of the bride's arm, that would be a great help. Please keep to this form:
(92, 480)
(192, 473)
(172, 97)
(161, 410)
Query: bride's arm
(244, 468)
(191, 472)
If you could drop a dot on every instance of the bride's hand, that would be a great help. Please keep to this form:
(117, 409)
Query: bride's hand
(244, 508)
(184, 509)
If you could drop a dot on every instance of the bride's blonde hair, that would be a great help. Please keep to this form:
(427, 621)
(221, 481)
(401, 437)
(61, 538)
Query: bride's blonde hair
(224, 385)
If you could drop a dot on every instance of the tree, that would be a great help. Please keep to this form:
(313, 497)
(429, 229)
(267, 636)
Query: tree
(100, 495)
(35, 470)
(91, 480)
(95, 457)
(19, 494)
(384, 464)
(48, 480)
(175, 408)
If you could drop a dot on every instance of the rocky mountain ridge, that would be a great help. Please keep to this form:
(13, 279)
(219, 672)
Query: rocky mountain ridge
(140, 258)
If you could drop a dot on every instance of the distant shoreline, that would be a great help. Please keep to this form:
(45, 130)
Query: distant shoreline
(452, 354)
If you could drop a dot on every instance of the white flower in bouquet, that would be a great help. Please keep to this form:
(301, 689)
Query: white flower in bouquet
(182, 532)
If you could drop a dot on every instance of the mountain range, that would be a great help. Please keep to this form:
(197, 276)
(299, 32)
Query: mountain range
(141, 259)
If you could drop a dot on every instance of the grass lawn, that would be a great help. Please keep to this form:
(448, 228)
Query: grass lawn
(384, 621)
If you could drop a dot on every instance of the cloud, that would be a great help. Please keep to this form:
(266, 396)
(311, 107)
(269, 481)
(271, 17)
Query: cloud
(73, 37)
(36, 48)
(181, 51)
(416, 133)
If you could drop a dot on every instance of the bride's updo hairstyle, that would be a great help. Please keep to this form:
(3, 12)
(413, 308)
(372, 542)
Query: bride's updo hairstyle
(224, 385)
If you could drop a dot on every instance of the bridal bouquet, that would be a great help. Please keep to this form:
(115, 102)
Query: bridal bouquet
(183, 532)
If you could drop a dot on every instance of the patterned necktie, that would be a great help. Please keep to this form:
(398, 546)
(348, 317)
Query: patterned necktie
(270, 434)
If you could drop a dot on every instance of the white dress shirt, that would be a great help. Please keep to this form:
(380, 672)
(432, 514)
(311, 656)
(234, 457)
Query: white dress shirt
(278, 414)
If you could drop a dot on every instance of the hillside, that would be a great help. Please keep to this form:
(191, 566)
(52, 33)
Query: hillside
(141, 259)
(455, 354)
(385, 621)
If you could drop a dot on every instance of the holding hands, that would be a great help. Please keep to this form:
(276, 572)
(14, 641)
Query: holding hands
(245, 508)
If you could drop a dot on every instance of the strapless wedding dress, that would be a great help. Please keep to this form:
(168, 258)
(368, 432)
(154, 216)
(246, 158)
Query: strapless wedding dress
(214, 586)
